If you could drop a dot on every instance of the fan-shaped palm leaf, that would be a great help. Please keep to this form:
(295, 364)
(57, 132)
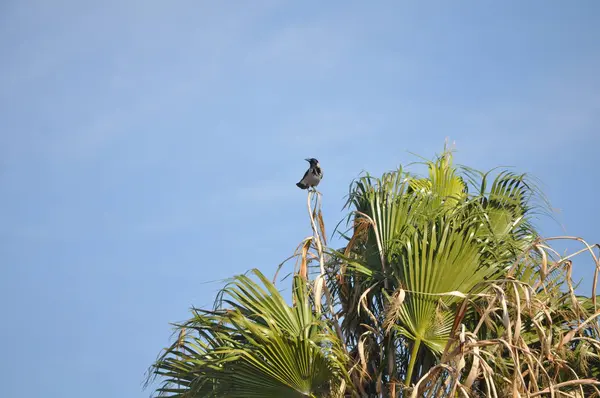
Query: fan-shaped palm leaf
(257, 347)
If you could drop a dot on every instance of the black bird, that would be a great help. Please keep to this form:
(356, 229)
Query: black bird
(313, 175)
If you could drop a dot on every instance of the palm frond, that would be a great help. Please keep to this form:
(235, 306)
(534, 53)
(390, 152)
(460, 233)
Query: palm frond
(256, 346)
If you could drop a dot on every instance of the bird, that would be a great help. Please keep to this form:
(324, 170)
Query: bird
(313, 175)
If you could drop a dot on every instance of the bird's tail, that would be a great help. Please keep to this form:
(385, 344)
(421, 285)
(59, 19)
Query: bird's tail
(301, 186)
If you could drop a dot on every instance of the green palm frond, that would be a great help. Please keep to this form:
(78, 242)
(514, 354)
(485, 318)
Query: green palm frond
(437, 267)
(444, 185)
(256, 347)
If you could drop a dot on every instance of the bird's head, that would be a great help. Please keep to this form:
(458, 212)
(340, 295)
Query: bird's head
(312, 161)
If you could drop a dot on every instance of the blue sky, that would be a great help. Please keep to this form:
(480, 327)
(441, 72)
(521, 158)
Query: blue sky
(149, 147)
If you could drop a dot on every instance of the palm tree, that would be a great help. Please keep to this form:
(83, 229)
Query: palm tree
(443, 287)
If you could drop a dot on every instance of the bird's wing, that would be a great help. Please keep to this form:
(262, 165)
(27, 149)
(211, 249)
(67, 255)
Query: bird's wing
(305, 175)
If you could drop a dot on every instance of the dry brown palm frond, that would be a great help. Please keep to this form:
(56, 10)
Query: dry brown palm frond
(393, 308)
(303, 265)
(361, 227)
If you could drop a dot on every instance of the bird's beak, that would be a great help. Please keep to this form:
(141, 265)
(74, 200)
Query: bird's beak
(307, 159)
